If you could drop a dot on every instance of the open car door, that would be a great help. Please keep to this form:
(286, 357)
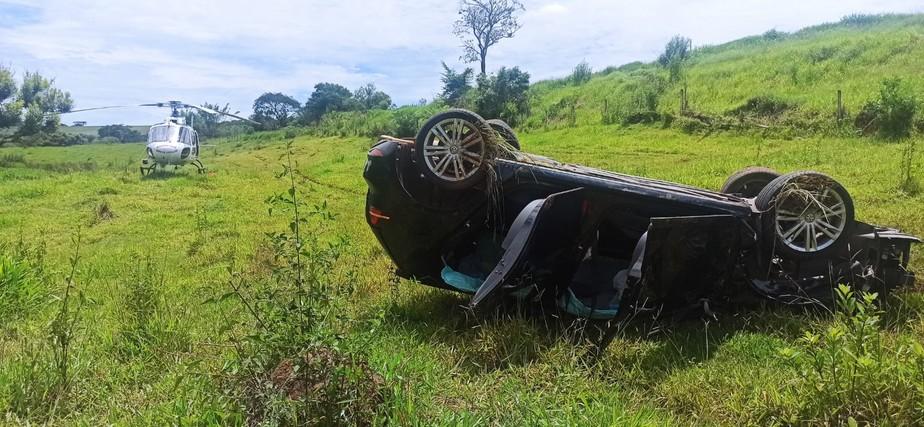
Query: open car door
(541, 242)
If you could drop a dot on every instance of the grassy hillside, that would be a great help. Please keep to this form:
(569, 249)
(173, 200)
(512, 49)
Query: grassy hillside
(805, 69)
(777, 83)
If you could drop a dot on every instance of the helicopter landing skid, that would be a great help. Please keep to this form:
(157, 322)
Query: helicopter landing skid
(147, 167)
(199, 166)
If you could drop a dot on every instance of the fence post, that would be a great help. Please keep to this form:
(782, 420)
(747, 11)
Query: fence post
(840, 107)
(683, 100)
(606, 117)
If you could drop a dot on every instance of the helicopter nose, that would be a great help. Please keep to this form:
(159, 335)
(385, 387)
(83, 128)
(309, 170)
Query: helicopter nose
(166, 153)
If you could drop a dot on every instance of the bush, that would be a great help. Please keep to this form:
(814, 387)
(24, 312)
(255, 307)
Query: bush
(774, 35)
(761, 106)
(691, 124)
(892, 114)
(642, 117)
(581, 74)
(290, 368)
(109, 140)
(860, 19)
(851, 372)
(120, 133)
(503, 95)
(821, 54)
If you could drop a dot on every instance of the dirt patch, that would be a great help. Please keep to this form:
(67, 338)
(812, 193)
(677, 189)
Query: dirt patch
(103, 212)
(329, 388)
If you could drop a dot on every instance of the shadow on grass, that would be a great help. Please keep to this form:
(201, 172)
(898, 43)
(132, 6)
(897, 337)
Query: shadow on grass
(166, 174)
(520, 332)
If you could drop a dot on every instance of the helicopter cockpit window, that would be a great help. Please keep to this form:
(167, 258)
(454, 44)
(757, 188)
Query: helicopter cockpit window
(163, 133)
(184, 135)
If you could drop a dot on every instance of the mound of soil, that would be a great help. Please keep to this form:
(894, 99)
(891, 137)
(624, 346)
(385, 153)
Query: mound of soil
(332, 387)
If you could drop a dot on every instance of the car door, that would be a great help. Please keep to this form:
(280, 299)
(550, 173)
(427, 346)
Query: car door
(541, 244)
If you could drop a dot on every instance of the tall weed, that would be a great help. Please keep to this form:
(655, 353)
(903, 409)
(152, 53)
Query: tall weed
(855, 372)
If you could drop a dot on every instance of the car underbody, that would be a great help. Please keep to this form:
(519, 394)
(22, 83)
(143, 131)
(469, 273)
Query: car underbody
(511, 224)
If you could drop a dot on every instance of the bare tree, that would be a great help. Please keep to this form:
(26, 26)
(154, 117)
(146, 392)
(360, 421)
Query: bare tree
(484, 23)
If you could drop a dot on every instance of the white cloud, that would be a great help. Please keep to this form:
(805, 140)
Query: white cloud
(552, 9)
(109, 52)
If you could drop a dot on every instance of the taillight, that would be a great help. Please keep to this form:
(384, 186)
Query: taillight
(376, 215)
(375, 152)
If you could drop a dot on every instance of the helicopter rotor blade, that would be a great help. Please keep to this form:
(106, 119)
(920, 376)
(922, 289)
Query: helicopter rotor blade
(91, 109)
(211, 111)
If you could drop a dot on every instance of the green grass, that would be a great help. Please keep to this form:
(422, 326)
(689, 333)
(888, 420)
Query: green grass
(442, 366)
(805, 68)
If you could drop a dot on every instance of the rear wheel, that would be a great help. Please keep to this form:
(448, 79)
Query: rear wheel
(748, 182)
(452, 147)
(505, 131)
(809, 214)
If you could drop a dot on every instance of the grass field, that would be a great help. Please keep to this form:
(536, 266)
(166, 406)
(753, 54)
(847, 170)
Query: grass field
(185, 232)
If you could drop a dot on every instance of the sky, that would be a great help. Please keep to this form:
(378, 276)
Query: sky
(119, 52)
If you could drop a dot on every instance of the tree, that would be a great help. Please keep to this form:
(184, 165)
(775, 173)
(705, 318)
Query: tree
(581, 74)
(34, 105)
(455, 85)
(484, 23)
(207, 124)
(10, 107)
(121, 132)
(327, 97)
(503, 95)
(274, 110)
(369, 97)
(675, 54)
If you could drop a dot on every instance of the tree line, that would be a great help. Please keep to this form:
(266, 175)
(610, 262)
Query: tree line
(481, 25)
(30, 107)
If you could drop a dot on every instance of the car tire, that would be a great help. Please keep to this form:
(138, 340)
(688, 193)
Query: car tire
(506, 132)
(808, 213)
(453, 149)
(749, 181)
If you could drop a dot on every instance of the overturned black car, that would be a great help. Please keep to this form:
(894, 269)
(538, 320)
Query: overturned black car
(462, 208)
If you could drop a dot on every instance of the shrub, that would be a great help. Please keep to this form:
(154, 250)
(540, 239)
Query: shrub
(851, 372)
(892, 114)
(861, 19)
(109, 140)
(822, 54)
(290, 368)
(503, 95)
(761, 106)
(774, 35)
(581, 74)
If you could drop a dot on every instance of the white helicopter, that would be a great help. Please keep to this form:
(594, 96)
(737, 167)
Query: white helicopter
(172, 142)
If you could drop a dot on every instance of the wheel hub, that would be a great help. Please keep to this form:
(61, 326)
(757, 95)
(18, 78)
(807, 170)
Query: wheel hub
(810, 220)
(454, 150)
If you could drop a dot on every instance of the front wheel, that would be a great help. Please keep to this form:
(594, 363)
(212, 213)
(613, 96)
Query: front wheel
(809, 214)
(506, 132)
(749, 181)
(452, 149)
